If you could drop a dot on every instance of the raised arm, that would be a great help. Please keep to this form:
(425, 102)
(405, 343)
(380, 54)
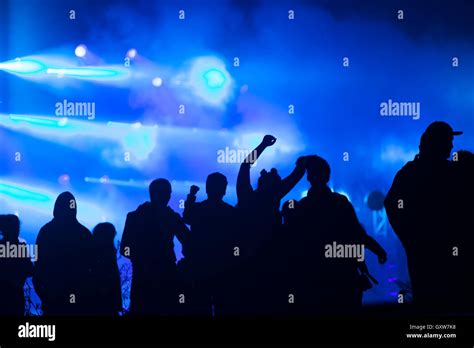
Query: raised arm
(190, 205)
(244, 188)
(295, 176)
(181, 232)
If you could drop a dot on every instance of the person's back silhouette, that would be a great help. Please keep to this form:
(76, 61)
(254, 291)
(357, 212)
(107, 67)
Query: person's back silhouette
(421, 206)
(13, 270)
(62, 277)
(210, 248)
(148, 242)
(464, 167)
(259, 232)
(107, 298)
(326, 281)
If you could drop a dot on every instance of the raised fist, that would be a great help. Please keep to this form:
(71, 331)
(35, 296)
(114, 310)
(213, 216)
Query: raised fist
(194, 189)
(268, 140)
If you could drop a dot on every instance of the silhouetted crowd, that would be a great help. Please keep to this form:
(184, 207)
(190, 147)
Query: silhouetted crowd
(255, 259)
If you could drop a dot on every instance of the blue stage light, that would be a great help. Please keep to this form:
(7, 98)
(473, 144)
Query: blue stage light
(22, 194)
(138, 140)
(88, 72)
(209, 80)
(214, 78)
(23, 66)
(47, 122)
(130, 183)
(36, 68)
(40, 200)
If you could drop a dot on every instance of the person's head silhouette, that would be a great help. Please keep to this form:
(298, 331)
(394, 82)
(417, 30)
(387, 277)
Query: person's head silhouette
(160, 192)
(436, 142)
(269, 182)
(104, 234)
(65, 207)
(10, 227)
(216, 186)
(318, 171)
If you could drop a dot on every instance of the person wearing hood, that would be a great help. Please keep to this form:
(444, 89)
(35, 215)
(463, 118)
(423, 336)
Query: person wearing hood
(62, 272)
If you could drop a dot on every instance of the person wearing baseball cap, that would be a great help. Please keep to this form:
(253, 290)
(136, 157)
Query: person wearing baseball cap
(422, 206)
(437, 141)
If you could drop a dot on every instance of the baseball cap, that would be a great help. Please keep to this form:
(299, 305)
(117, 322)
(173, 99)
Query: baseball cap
(440, 129)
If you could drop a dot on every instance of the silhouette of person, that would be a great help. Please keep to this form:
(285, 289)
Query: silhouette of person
(421, 207)
(464, 218)
(62, 277)
(260, 232)
(324, 282)
(210, 247)
(107, 300)
(148, 242)
(13, 269)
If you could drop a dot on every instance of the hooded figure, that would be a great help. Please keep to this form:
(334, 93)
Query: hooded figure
(62, 276)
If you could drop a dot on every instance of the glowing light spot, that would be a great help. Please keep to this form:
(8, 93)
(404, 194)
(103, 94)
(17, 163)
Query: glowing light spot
(104, 179)
(214, 78)
(132, 53)
(64, 179)
(209, 80)
(81, 51)
(157, 82)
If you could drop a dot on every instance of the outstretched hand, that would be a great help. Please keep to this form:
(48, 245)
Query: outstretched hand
(268, 140)
(193, 190)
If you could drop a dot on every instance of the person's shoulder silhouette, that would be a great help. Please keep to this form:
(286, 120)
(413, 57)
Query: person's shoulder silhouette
(13, 270)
